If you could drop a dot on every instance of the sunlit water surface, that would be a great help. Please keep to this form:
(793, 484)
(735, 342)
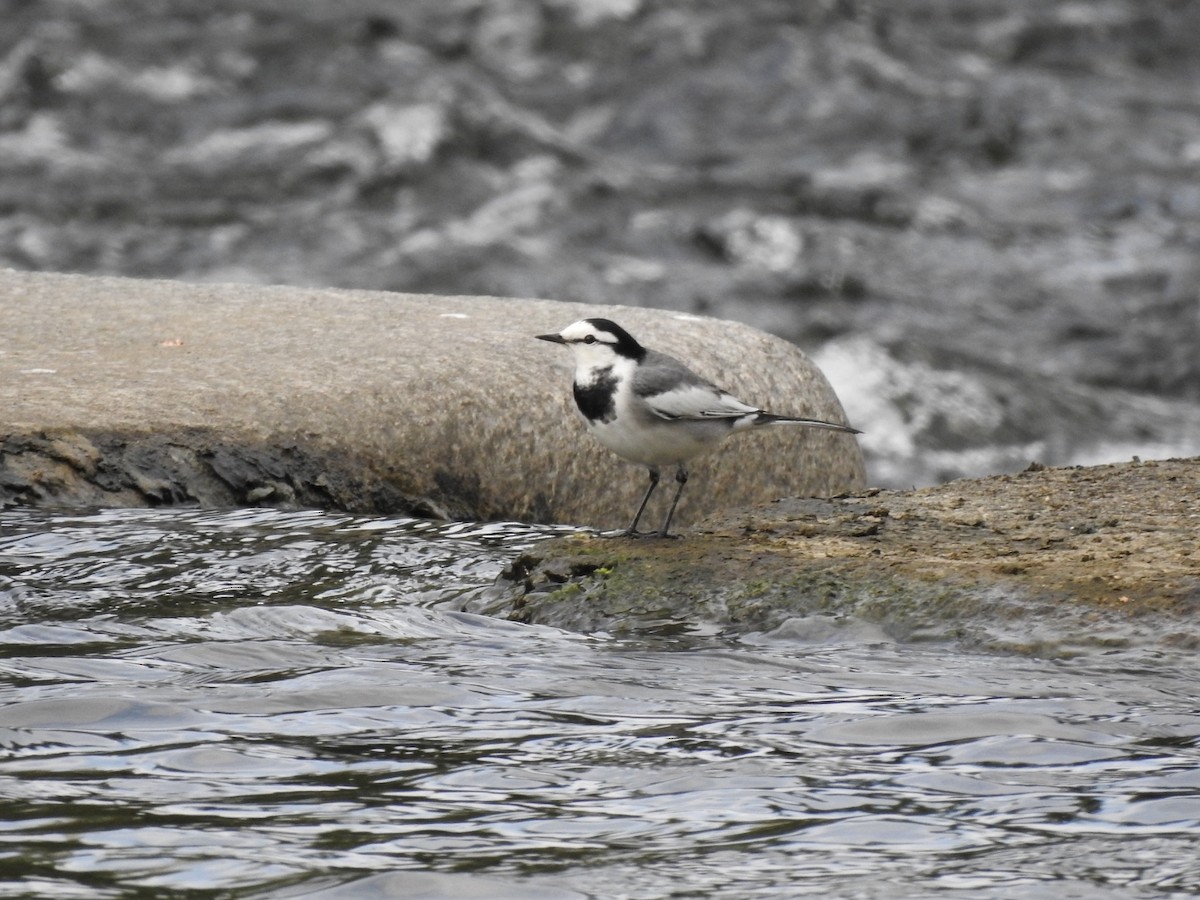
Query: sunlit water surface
(258, 703)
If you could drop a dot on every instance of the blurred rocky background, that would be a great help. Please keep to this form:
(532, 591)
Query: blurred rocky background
(981, 217)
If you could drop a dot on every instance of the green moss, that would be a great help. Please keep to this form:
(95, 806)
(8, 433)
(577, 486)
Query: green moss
(570, 589)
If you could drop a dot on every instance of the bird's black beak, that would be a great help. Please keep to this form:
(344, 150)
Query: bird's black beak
(556, 338)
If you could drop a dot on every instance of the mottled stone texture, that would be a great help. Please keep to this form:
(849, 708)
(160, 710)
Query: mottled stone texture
(128, 392)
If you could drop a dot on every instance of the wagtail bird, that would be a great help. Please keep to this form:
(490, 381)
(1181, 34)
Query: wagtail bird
(651, 409)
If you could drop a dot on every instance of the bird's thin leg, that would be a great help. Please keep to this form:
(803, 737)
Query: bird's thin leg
(632, 529)
(681, 476)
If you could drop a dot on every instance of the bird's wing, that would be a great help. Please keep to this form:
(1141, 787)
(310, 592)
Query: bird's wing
(698, 402)
(673, 391)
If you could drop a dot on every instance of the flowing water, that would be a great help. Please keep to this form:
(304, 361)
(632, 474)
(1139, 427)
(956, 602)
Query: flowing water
(270, 704)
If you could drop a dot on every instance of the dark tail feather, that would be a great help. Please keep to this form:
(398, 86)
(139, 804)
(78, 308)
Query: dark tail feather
(765, 418)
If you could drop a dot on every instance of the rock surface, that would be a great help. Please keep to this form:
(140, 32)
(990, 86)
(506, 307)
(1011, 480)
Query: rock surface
(124, 392)
(1050, 561)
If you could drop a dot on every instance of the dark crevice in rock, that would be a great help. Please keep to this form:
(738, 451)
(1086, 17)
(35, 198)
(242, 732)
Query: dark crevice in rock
(194, 467)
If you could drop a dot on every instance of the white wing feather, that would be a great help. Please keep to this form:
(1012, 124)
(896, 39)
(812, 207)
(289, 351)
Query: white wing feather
(698, 401)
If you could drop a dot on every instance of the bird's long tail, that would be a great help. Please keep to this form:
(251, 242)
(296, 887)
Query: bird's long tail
(764, 418)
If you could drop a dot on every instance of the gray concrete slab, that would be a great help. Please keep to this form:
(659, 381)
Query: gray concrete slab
(128, 392)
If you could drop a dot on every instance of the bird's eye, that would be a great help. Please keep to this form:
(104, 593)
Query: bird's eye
(590, 339)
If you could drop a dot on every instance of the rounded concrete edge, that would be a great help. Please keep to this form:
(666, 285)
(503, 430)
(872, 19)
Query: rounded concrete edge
(118, 392)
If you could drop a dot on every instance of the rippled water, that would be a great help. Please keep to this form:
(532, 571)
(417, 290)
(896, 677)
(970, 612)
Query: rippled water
(259, 703)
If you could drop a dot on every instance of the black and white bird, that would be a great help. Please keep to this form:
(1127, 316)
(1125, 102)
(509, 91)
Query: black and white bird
(651, 409)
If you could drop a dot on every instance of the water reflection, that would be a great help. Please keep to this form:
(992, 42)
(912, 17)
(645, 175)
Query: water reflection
(294, 704)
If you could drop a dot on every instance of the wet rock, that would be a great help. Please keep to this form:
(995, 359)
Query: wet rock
(1048, 561)
(184, 467)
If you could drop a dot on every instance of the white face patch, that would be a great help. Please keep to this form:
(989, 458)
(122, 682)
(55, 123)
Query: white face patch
(584, 332)
(593, 349)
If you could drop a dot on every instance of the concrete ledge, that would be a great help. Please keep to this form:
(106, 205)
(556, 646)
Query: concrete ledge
(128, 392)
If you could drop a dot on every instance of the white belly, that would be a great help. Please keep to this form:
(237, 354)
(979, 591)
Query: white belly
(651, 441)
